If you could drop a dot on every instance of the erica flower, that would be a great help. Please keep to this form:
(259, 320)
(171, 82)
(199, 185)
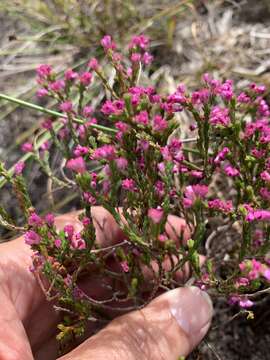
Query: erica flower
(86, 78)
(124, 266)
(104, 152)
(121, 163)
(223, 206)
(71, 75)
(159, 124)
(156, 215)
(265, 176)
(219, 116)
(142, 118)
(66, 106)
(194, 192)
(31, 238)
(107, 43)
(77, 165)
(18, 168)
(231, 171)
(35, 220)
(27, 147)
(128, 184)
(44, 70)
(49, 218)
(93, 64)
(260, 215)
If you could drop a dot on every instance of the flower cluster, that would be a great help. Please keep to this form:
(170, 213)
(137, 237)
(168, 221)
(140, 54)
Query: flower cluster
(130, 160)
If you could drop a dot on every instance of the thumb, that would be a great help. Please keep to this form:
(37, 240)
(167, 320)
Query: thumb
(169, 327)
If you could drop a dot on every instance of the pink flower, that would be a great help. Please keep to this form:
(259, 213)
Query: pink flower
(27, 147)
(86, 78)
(219, 116)
(57, 85)
(69, 231)
(35, 220)
(265, 194)
(57, 243)
(194, 192)
(66, 106)
(265, 176)
(128, 184)
(49, 218)
(107, 43)
(121, 163)
(42, 92)
(156, 215)
(147, 58)
(18, 168)
(93, 64)
(231, 171)
(80, 150)
(44, 71)
(47, 124)
(140, 41)
(77, 165)
(243, 98)
(124, 266)
(135, 57)
(104, 152)
(246, 303)
(260, 215)
(159, 123)
(223, 206)
(71, 75)
(32, 238)
(142, 118)
(221, 155)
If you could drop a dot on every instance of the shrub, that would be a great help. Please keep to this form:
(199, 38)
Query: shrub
(130, 159)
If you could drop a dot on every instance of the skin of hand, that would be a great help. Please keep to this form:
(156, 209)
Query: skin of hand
(169, 327)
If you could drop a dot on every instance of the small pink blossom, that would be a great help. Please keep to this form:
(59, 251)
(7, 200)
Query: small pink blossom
(32, 238)
(44, 71)
(104, 152)
(128, 184)
(66, 106)
(35, 220)
(77, 165)
(159, 124)
(71, 75)
(27, 147)
(265, 176)
(49, 219)
(231, 171)
(93, 64)
(42, 92)
(86, 78)
(57, 243)
(18, 168)
(219, 116)
(107, 43)
(124, 266)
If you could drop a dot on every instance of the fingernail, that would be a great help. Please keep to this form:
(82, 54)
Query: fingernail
(192, 308)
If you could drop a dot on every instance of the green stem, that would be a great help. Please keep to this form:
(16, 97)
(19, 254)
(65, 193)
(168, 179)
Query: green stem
(51, 112)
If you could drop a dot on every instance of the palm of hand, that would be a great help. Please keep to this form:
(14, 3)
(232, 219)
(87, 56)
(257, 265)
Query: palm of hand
(28, 320)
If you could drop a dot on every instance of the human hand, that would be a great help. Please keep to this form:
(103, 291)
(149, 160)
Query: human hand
(29, 321)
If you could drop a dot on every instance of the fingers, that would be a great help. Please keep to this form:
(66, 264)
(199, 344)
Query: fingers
(169, 327)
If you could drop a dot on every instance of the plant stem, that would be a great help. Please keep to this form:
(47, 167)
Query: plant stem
(51, 112)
